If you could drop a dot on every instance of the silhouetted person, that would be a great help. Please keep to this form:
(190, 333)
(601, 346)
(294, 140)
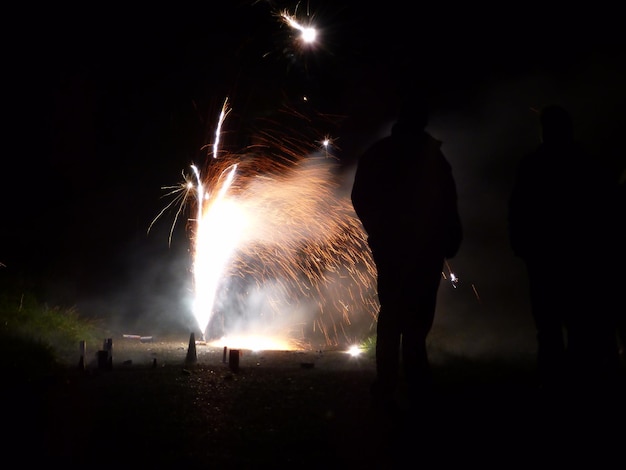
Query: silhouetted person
(405, 195)
(559, 225)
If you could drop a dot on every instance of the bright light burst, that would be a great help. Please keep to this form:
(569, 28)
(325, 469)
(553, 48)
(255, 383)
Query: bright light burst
(354, 350)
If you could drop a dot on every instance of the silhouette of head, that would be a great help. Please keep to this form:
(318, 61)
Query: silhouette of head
(556, 124)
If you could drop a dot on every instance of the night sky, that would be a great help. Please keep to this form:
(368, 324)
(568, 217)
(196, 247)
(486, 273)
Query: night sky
(107, 107)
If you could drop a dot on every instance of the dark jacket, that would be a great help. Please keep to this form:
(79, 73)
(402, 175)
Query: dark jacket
(559, 205)
(405, 195)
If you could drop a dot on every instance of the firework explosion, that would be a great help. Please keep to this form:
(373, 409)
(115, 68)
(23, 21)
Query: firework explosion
(279, 257)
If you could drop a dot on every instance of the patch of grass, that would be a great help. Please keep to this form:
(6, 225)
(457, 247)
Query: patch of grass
(369, 346)
(35, 339)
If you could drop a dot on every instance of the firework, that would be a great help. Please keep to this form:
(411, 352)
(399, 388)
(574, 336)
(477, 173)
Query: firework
(278, 253)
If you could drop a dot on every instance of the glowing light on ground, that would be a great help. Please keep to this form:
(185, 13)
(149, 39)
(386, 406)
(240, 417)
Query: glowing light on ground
(355, 350)
(257, 343)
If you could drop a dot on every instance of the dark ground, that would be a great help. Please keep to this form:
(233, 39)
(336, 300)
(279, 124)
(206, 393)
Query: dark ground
(294, 409)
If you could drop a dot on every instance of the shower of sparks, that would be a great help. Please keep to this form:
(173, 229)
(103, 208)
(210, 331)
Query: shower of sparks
(279, 257)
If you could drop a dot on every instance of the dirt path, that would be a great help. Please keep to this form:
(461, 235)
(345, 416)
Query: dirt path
(285, 409)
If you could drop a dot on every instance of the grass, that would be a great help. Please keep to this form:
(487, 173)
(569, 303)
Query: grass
(369, 346)
(36, 340)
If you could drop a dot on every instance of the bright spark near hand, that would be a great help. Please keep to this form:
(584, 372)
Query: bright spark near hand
(453, 279)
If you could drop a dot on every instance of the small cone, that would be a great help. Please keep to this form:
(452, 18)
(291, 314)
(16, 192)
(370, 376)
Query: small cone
(83, 350)
(192, 356)
(103, 359)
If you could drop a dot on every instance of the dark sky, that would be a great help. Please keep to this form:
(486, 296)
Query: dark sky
(106, 106)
